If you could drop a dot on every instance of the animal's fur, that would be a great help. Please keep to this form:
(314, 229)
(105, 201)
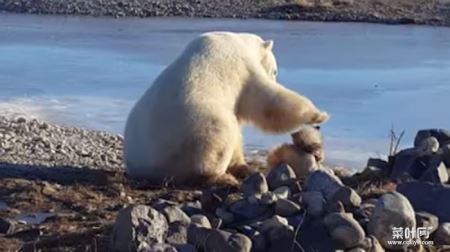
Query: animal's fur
(188, 123)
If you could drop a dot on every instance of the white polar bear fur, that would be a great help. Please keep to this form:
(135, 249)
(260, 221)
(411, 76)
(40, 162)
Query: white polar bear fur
(187, 124)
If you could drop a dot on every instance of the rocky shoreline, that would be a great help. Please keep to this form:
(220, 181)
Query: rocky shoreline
(64, 189)
(380, 11)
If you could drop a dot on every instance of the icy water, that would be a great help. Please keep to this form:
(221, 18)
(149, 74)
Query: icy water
(88, 72)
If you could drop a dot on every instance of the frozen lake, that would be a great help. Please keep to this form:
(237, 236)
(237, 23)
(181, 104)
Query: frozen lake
(88, 72)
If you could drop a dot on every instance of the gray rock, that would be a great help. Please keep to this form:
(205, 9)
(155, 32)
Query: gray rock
(446, 154)
(254, 184)
(156, 247)
(216, 223)
(254, 199)
(430, 221)
(282, 238)
(246, 230)
(375, 168)
(429, 145)
(347, 196)
(285, 208)
(242, 210)
(137, 224)
(442, 135)
(212, 198)
(280, 175)
(268, 198)
(218, 240)
(175, 214)
(378, 164)
(371, 244)
(428, 197)
(282, 192)
(7, 225)
(314, 203)
(436, 173)
(295, 187)
(442, 234)
(391, 210)
(191, 208)
(408, 162)
(344, 230)
(185, 248)
(259, 242)
(224, 215)
(365, 210)
(200, 220)
(272, 223)
(160, 204)
(177, 233)
(356, 250)
(324, 182)
(313, 236)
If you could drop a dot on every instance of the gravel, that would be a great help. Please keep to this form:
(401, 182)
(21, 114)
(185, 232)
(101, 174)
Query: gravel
(380, 11)
(36, 143)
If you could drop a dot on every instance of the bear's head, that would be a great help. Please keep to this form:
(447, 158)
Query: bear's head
(268, 60)
(229, 46)
(264, 52)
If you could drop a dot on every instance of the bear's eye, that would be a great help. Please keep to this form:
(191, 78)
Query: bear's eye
(275, 72)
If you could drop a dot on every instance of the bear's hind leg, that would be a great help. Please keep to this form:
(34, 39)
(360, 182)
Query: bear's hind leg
(238, 167)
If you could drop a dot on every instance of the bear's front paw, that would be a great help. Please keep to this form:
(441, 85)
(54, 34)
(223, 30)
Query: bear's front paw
(241, 171)
(320, 117)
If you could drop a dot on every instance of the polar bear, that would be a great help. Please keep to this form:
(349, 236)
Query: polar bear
(187, 126)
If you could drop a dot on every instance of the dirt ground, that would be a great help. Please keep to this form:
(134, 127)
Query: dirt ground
(81, 213)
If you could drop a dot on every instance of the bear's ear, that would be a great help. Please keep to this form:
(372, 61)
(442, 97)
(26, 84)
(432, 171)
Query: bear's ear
(268, 44)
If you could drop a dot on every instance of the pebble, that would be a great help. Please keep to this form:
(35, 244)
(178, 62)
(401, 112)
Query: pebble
(281, 238)
(32, 142)
(429, 145)
(430, 221)
(218, 240)
(242, 209)
(268, 198)
(446, 154)
(138, 223)
(175, 214)
(428, 197)
(344, 230)
(200, 220)
(436, 173)
(285, 208)
(272, 223)
(314, 203)
(282, 192)
(216, 223)
(192, 207)
(224, 215)
(7, 225)
(280, 175)
(155, 247)
(347, 196)
(371, 244)
(323, 181)
(259, 242)
(254, 184)
(442, 234)
(392, 210)
(185, 248)
(176, 234)
(441, 135)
